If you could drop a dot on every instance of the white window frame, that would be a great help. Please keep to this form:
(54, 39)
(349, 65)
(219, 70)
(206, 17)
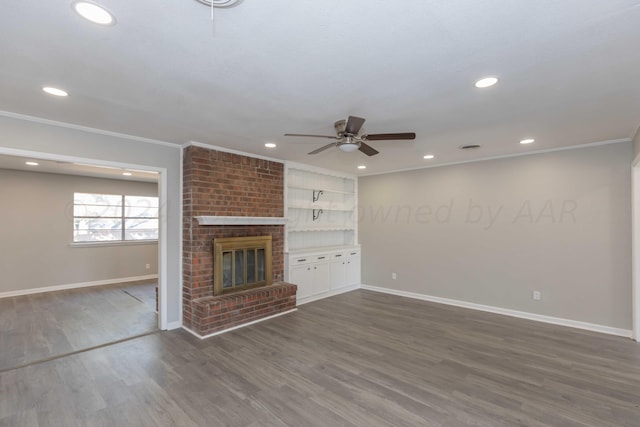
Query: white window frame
(123, 217)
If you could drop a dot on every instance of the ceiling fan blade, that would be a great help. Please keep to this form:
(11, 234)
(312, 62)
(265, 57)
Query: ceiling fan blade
(389, 136)
(317, 150)
(312, 136)
(367, 149)
(353, 125)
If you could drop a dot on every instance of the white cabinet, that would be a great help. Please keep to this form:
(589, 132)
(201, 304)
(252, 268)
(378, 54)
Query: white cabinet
(344, 269)
(353, 272)
(311, 274)
(302, 276)
(319, 275)
(338, 271)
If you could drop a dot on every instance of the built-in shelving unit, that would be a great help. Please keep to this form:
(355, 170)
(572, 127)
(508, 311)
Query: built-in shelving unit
(322, 252)
(320, 208)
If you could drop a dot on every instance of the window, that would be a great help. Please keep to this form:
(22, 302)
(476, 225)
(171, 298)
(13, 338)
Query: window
(114, 217)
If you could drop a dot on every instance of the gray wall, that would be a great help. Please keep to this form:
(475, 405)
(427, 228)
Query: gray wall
(36, 223)
(491, 232)
(19, 135)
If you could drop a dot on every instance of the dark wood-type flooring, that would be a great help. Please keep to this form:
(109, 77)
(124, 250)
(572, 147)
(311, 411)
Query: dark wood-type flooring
(357, 359)
(40, 326)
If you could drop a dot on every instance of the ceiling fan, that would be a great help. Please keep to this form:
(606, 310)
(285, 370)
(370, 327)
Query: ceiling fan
(348, 140)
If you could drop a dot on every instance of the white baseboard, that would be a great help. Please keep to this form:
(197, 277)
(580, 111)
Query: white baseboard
(507, 312)
(327, 294)
(233, 328)
(9, 294)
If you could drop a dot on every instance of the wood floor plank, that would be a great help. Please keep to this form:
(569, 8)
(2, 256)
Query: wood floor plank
(357, 359)
(39, 326)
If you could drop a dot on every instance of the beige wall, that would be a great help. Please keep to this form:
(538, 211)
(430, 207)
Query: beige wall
(491, 232)
(36, 223)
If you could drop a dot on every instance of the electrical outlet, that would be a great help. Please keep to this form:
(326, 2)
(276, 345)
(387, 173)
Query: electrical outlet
(394, 276)
(148, 266)
(537, 295)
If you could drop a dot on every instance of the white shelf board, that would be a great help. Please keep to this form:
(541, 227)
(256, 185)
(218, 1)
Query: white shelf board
(322, 249)
(240, 220)
(300, 230)
(295, 187)
(325, 208)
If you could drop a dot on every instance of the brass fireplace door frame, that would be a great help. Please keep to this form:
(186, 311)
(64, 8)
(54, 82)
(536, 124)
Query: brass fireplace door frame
(224, 244)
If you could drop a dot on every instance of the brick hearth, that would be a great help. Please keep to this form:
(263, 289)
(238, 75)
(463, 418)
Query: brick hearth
(213, 314)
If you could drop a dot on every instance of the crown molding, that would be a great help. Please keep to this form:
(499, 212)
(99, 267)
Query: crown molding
(230, 151)
(505, 156)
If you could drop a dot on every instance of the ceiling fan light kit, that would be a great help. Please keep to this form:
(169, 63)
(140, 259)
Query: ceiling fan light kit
(348, 140)
(349, 145)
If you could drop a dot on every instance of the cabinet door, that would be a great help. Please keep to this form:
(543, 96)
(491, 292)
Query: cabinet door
(337, 272)
(302, 275)
(353, 268)
(320, 277)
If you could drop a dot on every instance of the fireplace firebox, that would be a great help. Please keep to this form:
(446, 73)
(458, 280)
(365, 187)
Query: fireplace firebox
(241, 263)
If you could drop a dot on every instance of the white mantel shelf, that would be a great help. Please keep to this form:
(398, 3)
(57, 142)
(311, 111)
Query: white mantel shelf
(240, 220)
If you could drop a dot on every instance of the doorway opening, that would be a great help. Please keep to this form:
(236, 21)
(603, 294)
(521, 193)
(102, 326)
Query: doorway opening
(87, 307)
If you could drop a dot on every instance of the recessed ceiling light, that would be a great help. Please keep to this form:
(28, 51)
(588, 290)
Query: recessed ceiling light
(31, 163)
(94, 12)
(362, 167)
(54, 91)
(429, 156)
(126, 173)
(486, 82)
(527, 141)
(270, 145)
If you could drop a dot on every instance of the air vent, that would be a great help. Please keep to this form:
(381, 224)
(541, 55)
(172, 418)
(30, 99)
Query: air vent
(469, 147)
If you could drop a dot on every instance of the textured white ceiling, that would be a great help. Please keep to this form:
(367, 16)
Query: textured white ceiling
(568, 69)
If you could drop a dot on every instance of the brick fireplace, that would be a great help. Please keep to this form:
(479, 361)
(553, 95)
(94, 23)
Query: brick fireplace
(224, 184)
